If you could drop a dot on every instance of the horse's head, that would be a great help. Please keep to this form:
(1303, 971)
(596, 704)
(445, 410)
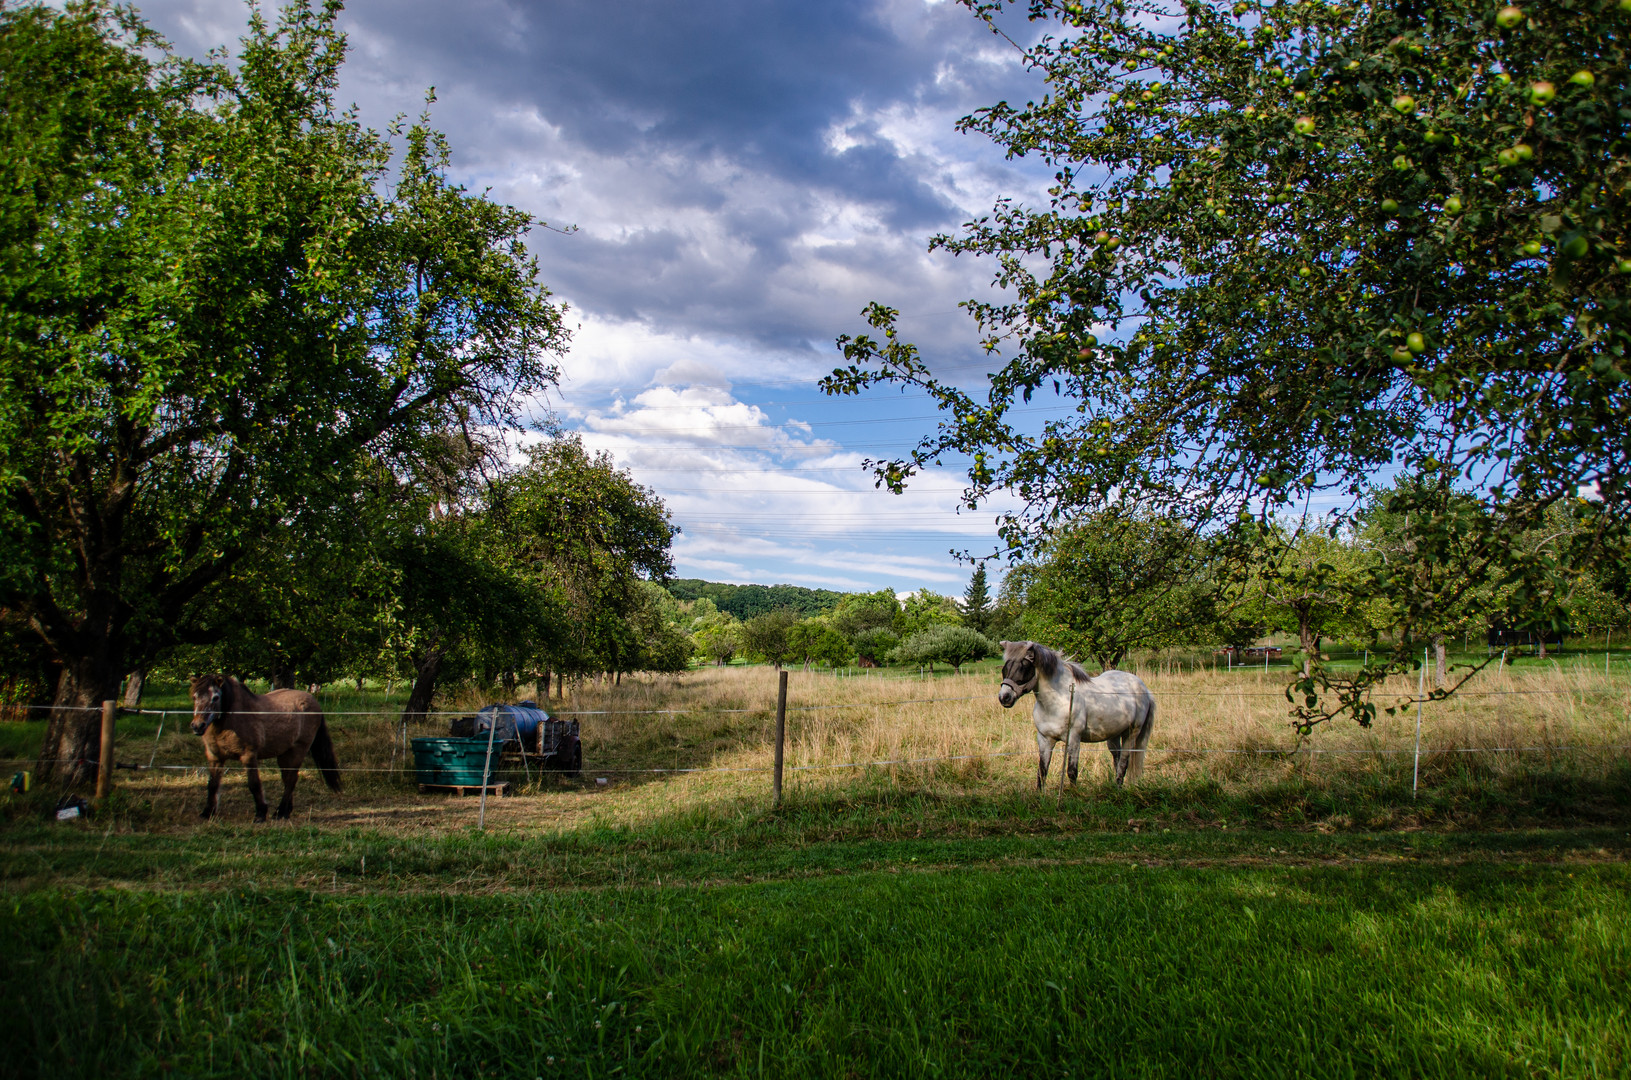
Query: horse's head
(1018, 671)
(209, 693)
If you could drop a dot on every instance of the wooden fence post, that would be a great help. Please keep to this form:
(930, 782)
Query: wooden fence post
(104, 765)
(781, 736)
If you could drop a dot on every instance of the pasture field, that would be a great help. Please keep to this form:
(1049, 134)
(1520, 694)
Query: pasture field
(1266, 911)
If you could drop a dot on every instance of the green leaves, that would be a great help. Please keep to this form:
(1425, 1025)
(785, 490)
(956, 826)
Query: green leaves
(1284, 300)
(222, 296)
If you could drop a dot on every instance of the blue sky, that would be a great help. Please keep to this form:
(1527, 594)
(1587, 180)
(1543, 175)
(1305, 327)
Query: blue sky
(744, 176)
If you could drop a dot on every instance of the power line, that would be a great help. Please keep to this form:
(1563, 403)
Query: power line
(810, 423)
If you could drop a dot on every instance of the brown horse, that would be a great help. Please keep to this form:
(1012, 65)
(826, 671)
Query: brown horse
(237, 723)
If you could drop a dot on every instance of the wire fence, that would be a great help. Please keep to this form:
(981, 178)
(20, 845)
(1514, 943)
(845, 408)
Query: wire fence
(401, 764)
(403, 757)
(1177, 751)
(1281, 695)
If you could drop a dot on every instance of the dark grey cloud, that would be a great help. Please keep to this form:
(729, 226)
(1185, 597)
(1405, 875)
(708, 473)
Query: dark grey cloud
(742, 170)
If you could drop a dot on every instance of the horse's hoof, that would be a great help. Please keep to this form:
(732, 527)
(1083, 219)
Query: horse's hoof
(284, 815)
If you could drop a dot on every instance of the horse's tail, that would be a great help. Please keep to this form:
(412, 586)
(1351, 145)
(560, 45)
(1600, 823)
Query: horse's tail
(1140, 742)
(322, 752)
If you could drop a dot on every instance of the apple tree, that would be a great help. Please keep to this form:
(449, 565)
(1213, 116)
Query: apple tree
(1294, 248)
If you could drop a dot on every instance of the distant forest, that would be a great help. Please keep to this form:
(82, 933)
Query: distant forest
(746, 601)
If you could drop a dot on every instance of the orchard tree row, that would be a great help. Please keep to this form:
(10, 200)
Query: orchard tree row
(1119, 582)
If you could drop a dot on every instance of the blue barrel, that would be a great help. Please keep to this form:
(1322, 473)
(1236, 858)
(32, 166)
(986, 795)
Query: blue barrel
(508, 722)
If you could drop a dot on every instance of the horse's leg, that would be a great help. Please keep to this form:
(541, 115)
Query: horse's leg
(1073, 753)
(289, 761)
(252, 771)
(1044, 754)
(212, 796)
(1118, 757)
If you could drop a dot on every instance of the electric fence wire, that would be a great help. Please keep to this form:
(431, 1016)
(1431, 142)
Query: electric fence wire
(1173, 750)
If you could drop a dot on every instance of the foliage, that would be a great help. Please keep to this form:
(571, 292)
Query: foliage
(857, 613)
(1117, 581)
(1008, 613)
(660, 645)
(718, 636)
(769, 637)
(874, 644)
(583, 528)
(219, 292)
(309, 603)
(1309, 582)
(1325, 240)
(815, 641)
(944, 644)
(924, 608)
(746, 601)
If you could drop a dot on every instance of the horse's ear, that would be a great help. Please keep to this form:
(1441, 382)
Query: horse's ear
(1030, 650)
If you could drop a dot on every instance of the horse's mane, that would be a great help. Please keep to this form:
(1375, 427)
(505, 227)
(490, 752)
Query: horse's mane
(1048, 661)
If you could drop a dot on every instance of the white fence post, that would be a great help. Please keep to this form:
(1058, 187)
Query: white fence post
(1415, 775)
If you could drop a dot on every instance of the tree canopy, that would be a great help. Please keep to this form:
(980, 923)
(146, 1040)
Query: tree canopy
(219, 292)
(1321, 242)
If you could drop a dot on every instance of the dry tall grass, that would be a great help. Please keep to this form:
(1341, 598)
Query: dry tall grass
(945, 735)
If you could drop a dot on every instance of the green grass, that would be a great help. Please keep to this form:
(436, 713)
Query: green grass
(1165, 955)
(1313, 919)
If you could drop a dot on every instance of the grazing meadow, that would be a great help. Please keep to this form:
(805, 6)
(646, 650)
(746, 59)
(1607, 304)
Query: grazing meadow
(1256, 905)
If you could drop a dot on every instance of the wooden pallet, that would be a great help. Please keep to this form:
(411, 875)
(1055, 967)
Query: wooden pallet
(466, 789)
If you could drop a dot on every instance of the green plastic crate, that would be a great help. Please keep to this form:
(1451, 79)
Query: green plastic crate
(451, 761)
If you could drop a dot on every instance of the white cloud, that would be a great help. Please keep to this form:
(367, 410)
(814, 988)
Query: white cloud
(761, 500)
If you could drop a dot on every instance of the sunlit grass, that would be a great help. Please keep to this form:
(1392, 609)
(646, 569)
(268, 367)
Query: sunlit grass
(1266, 912)
(1220, 737)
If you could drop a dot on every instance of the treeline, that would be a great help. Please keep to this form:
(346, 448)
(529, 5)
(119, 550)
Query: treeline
(1121, 581)
(864, 629)
(1115, 582)
(747, 601)
(463, 571)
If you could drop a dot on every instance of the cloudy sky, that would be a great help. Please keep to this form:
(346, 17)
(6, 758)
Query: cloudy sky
(743, 176)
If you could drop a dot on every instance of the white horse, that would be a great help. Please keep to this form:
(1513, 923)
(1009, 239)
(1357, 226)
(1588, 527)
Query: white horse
(1115, 707)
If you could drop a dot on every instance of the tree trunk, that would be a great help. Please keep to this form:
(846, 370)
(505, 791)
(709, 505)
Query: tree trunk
(1439, 661)
(133, 688)
(73, 734)
(1540, 644)
(543, 686)
(1310, 643)
(426, 668)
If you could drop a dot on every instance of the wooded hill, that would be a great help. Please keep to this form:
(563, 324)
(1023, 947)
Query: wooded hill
(746, 601)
